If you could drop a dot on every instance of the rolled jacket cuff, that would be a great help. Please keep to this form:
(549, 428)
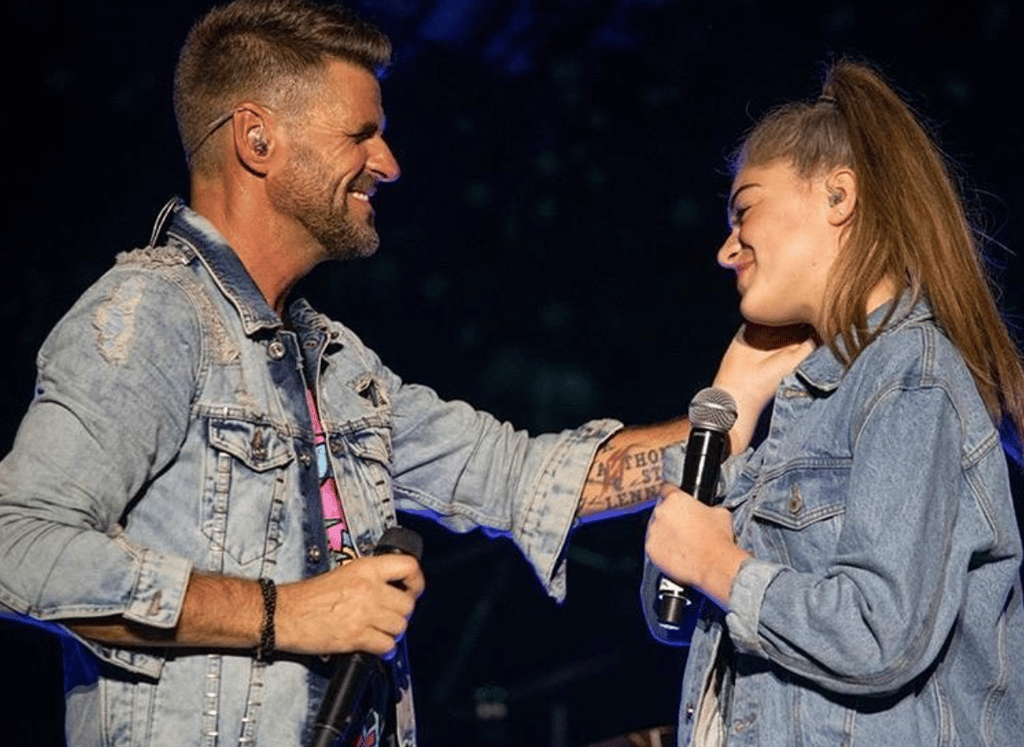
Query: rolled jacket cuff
(159, 591)
(155, 600)
(745, 600)
(552, 513)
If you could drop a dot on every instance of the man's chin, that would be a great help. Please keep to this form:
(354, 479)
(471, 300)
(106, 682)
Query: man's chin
(354, 247)
(367, 241)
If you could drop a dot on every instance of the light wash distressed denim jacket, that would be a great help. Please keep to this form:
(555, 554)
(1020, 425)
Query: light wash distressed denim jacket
(883, 606)
(170, 431)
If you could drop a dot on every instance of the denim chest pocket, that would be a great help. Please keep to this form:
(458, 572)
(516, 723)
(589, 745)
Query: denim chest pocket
(800, 513)
(371, 442)
(244, 489)
(362, 459)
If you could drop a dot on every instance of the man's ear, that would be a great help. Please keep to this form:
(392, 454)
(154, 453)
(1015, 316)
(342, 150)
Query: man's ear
(253, 132)
(841, 191)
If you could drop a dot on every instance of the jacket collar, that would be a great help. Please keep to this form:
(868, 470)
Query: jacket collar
(180, 222)
(823, 372)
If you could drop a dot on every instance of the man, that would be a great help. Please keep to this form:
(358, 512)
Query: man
(204, 472)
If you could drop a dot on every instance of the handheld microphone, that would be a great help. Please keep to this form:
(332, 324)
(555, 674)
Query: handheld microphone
(339, 711)
(712, 414)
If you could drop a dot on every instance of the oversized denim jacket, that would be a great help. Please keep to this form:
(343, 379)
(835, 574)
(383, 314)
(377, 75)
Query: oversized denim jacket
(883, 606)
(170, 432)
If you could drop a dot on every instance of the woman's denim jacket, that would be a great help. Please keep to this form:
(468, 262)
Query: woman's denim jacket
(883, 606)
(170, 432)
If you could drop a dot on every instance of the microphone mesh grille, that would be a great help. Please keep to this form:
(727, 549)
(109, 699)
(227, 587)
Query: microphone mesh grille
(714, 409)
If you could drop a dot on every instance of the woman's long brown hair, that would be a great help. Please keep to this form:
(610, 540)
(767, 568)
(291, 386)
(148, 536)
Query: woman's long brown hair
(909, 224)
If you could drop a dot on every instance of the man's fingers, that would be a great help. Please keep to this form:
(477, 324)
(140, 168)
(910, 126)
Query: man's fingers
(390, 622)
(401, 571)
(379, 643)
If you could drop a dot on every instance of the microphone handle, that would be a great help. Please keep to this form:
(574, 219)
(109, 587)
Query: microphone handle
(703, 463)
(338, 714)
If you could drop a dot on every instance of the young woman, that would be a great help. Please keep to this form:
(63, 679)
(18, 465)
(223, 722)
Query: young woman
(866, 559)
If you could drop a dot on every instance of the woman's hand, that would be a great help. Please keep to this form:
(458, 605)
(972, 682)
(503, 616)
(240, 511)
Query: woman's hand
(693, 544)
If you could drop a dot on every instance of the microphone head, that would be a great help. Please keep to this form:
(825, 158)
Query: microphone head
(400, 540)
(713, 409)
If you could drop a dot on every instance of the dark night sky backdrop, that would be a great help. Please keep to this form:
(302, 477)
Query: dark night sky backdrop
(548, 254)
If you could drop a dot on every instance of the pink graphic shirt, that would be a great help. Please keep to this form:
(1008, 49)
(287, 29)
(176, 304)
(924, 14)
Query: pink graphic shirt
(338, 538)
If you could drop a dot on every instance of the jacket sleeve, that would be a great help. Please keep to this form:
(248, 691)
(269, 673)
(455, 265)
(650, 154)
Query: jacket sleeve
(881, 610)
(112, 401)
(466, 469)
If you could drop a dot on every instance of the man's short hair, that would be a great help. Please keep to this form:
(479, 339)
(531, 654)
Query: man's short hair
(268, 51)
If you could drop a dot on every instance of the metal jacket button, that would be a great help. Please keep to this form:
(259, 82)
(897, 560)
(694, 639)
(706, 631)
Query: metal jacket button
(796, 501)
(276, 350)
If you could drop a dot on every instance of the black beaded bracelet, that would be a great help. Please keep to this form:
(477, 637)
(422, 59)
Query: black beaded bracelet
(266, 648)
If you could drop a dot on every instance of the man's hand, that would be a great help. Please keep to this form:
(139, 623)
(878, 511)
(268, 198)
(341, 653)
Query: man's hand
(752, 367)
(693, 544)
(357, 607)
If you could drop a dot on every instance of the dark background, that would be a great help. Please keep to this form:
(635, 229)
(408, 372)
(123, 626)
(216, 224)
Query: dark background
(548, 255)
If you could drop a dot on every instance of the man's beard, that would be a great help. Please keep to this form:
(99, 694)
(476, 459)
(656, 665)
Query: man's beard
(305, 192)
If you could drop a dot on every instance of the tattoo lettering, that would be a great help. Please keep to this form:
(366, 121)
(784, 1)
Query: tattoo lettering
(622, 477)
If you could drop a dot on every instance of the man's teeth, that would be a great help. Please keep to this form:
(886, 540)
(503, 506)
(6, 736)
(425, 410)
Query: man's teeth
(360, 196)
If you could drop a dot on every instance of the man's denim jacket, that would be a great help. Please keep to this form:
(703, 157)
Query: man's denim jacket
(883, 606)
(170, 432)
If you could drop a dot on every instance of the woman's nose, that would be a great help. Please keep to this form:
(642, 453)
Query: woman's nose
(730, 249)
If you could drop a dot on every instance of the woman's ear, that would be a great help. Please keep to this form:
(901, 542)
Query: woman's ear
(841, 191)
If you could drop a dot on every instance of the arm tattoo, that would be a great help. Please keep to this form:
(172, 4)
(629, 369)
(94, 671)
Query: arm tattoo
(622, 476)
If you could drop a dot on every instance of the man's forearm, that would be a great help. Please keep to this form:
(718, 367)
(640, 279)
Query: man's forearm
(362, 606)
(626, 474)
(217, 612)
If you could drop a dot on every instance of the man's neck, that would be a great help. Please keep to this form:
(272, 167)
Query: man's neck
(273, 250)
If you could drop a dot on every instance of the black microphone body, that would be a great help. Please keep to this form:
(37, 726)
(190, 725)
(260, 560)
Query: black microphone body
(339, 710)
(712, 414)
